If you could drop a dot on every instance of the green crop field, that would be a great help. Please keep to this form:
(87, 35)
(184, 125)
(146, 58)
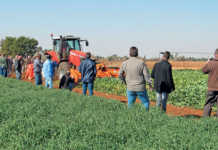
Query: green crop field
(35, 118)
(191, 88)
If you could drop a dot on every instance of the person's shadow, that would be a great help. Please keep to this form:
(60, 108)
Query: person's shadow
(192, 116)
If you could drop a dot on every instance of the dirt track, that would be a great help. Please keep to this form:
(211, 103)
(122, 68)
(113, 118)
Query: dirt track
(177, 65)
(171, 109)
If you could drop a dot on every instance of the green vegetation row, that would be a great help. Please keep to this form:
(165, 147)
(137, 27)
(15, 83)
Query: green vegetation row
(35, 118)
(191, 88)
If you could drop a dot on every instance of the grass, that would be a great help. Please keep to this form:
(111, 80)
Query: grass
(35, 118)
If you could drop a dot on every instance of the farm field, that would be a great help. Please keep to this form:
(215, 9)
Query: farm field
(177, 65)
(191, 88)
(37, 118)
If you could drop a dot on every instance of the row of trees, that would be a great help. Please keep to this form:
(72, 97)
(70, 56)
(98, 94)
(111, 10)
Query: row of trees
(173, 57)
(21, 45)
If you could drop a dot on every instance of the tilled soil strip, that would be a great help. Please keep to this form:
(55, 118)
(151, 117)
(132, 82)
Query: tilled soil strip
(171, 109)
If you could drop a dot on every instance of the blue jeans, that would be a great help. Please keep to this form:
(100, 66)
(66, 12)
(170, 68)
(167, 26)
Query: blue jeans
(38, 78)
(142, 95)
(5, 72)
(89, 86)
(71, 86)
(162, 100)
(18, 75)
(1, 71)
(49, 82)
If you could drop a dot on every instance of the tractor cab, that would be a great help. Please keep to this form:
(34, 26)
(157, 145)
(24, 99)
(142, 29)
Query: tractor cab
(64, 44)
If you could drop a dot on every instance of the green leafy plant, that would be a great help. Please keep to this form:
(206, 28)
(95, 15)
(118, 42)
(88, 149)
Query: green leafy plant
(191, 88)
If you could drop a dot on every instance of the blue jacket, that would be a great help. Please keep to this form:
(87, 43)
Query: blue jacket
(48, 69)
(87, 69)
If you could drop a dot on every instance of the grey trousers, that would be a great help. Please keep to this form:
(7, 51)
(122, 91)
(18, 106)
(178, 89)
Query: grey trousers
(212, 98)
(162, 100)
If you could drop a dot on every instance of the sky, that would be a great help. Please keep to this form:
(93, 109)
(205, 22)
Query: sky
(189, 27)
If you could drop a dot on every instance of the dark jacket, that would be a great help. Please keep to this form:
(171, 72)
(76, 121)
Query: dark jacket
(87, 69)
(211, 68)
(163, 78)
(37, 66)
(9, 63)
(18, 65)
(65, 81)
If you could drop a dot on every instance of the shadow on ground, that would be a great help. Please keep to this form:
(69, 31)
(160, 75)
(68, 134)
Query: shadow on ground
(192, 116)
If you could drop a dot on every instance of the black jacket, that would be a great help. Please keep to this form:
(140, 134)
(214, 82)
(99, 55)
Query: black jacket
(18, 65)
(88, 70)
(163, 78)
(65, 81)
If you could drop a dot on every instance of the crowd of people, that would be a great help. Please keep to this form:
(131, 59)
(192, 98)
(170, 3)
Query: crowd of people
(9, 65)
(133, 72)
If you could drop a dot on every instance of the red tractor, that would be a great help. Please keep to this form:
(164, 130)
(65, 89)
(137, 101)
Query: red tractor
(71, 47)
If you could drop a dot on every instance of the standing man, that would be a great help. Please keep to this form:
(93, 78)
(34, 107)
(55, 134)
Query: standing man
(163, 80)
(18, 67)
(3, 65)
(211, 68)
(134, 73)
(38, 70)
(64, 66)
(48, 72)
(87, 69)
(10, 63)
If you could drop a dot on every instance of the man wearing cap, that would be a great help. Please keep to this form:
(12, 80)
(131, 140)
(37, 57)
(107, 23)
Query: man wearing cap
(88, 72)
(38, 70)
(211, 68)
(134, 73)
(163, 80)
(48, 72)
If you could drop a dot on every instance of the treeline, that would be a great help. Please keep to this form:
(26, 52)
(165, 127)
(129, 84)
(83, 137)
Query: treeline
(112, 58)
(19, 46)
(173, 57)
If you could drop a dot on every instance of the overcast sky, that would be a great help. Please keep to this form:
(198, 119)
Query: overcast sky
(112, 26)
